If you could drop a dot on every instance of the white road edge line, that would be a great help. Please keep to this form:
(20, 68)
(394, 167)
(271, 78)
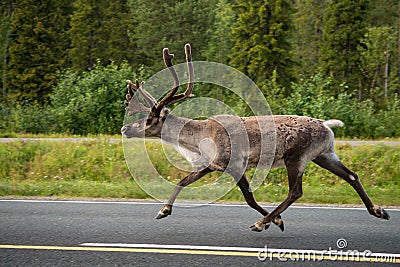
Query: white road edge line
(182, 204)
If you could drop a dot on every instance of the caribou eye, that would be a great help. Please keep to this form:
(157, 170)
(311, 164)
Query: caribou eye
(148, 121)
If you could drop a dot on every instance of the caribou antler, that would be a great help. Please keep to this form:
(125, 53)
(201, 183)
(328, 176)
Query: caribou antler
(133, 104)
(171, 98)
(132, 88)
(168, 62)
(151, 104)
(188, 92)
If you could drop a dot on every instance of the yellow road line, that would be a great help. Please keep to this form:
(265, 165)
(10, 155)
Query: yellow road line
(288, 256)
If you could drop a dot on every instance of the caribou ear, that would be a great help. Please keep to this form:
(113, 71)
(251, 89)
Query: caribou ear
(164, 113)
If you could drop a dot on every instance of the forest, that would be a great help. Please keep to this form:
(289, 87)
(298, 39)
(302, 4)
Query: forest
(64, 62)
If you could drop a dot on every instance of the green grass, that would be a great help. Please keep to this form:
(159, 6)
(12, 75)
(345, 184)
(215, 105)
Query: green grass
(54, 135)
(97, 169)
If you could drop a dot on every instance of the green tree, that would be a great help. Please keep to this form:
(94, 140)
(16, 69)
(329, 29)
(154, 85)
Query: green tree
(344, 29)
(171, 24)
(262, 40)
(37, 52)
(376, 58)
(5, 32)
(307, 35)
(99, 31)
(382, 12)
(115, 45)
(91, 102)
(221, 41)
(85, 22)
(386, 13)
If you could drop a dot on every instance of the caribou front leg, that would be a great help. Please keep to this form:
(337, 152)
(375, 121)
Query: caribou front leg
(192, 177)
(248, 195)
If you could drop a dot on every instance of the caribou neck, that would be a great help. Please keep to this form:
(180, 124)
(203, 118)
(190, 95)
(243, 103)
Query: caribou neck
(183, 132)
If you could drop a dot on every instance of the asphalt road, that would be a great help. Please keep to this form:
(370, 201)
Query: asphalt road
(73, 233)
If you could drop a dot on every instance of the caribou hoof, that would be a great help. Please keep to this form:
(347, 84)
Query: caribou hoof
(279, 222)
(161, 215)
(258, 227)
(381, 213)
(164, 212)
(282, 226)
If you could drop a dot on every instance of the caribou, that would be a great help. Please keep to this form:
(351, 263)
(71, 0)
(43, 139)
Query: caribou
(233, 144)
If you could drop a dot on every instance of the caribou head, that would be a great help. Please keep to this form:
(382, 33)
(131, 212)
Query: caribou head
(157, 111)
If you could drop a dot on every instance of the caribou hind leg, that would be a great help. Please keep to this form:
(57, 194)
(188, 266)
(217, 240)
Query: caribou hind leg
(332, 163)
(192, 177)
(248, 195)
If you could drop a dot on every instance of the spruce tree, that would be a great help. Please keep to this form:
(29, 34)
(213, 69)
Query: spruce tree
(221, 41)
(308, 22)
(343, 31)
(262, 41)
(85, 22)
(5, 32)
(115, 45)
(172, 24)
(37, 52)
(99, 31)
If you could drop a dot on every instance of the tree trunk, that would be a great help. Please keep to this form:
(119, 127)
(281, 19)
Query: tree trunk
(385, 86)
(4, 77)
(398, 55)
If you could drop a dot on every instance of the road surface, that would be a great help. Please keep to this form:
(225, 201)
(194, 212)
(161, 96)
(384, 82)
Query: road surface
(81, 233)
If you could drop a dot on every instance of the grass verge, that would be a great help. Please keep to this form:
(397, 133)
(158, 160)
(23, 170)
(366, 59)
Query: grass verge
(97, 169)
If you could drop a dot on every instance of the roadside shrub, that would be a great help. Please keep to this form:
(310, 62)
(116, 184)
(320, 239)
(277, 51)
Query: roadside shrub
(31, 118)
(7, 115)
(87, 103)
(312, 97)
(91, 102)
